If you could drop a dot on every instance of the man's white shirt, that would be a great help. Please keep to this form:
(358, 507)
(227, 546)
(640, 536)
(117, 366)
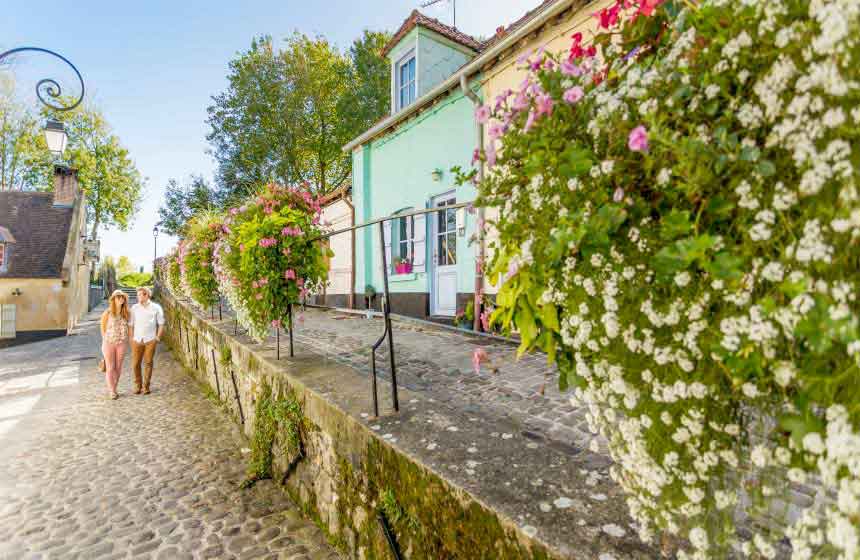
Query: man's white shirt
(145, 320)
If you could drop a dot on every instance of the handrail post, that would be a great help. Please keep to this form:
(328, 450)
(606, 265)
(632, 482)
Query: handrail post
(386, 310)
(290, 311)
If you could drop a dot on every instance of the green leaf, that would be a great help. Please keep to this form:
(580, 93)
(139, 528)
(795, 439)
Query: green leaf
(549, 317)
(726, 266)
(675, 224)
(750, 153)
(525, 323)
(766, 168)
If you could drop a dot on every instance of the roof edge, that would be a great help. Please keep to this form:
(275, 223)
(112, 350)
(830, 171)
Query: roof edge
(466, 70)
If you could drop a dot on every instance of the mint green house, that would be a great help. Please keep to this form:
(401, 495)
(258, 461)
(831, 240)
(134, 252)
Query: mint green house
(403, 163)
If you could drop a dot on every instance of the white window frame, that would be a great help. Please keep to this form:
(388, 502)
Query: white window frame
(399, 86)
(408, 240)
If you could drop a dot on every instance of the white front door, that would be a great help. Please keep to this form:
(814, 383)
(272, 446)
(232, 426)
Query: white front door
(444, 297)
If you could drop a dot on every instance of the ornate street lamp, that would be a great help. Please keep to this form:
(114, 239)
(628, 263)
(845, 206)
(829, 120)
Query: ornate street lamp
(155, 245)
(49, 92)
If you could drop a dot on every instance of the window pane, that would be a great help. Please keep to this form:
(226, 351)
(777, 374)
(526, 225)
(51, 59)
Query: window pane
(440, 250)
(452, 220)
(452, 248)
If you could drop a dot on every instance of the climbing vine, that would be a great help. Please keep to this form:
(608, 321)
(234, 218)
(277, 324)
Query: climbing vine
(275, 416)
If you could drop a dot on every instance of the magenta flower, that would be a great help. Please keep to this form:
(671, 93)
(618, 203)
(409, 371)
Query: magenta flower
(485, 319)
(544, 104)
(570, 69)
(638, 139)
(478, 356)
(482, 114)
(276, 323)
(530, 121)
(573, 95)
(490, 152)
(290, 274)
(496, 130)
(520, 102)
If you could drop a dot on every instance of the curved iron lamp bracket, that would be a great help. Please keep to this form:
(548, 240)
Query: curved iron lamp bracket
(48, 86)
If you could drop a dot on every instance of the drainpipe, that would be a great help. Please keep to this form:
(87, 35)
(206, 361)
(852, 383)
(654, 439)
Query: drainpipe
(479, 265)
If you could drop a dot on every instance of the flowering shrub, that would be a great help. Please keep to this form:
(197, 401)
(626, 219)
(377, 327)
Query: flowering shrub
(679, 226)
(170, 272)
(267, 259)
(198, 248)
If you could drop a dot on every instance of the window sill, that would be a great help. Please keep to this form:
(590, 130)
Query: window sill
(403, 277)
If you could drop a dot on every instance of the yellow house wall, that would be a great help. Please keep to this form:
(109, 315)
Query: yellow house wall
(42, 305)
(507, 74)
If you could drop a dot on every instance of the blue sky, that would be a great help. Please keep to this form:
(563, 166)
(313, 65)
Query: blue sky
(152, 67)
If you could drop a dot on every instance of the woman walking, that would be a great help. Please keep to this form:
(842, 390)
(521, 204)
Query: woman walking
(115, 322)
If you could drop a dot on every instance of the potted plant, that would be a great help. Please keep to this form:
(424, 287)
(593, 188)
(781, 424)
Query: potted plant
(402, 266)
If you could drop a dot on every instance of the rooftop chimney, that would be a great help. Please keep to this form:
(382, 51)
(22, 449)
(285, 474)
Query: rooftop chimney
(65, 186)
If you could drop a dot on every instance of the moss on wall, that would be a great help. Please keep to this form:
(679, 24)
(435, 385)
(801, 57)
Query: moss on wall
(341, 474)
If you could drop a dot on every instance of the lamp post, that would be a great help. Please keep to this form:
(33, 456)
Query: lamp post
(154, 246)
(48, 91)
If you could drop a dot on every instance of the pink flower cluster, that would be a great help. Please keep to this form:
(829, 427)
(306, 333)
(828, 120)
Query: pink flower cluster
(291, 231)
(268, 242)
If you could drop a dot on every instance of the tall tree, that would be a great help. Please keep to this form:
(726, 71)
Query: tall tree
(182, 203)
(25, 162)
(107, 175)
(368, 97)
(286, 113)
(254, 123)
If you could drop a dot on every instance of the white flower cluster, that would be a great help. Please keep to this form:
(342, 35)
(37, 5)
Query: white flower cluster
(677, 334)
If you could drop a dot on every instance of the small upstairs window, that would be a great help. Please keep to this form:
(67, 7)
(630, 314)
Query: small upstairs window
(405, 73)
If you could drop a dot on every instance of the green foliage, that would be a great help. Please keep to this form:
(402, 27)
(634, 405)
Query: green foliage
(275, 416)
(395, 513)
(136, 279)
(678, 231)
(25, 162)
(107, 175)
(183, 203)
(269, 256)
(197, 254)
(287, 112)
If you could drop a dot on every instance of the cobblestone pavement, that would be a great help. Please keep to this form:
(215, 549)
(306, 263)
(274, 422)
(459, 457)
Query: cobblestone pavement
(438, 362)
(152, 476)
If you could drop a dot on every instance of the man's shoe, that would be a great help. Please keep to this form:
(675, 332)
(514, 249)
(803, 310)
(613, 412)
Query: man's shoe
(137, 390)
(146, 391)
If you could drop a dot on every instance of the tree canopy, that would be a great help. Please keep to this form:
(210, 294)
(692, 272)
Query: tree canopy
(287, 112)
(183, 202)
(107, 175)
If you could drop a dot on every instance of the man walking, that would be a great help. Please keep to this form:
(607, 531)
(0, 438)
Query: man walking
(147, 328)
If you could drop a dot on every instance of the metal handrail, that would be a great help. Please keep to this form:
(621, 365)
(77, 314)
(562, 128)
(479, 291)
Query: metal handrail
(394, 217)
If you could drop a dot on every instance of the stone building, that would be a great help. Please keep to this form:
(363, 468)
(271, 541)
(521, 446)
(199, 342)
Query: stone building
(44, 263)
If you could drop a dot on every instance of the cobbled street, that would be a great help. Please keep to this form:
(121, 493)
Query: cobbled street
(153, 476)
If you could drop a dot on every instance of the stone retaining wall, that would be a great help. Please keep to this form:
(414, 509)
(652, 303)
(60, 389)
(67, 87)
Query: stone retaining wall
(350, 469)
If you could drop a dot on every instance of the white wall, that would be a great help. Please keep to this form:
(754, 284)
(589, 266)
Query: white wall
(339, 215)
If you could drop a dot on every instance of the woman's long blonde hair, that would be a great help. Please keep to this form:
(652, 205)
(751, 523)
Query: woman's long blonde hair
(119, 308)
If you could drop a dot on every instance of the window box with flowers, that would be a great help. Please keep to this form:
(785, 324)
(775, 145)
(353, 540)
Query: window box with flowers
(402, 266)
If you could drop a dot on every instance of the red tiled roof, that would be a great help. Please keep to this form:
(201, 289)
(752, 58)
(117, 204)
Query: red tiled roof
(416, 18)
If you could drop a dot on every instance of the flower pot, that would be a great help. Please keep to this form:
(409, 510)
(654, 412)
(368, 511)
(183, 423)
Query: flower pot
(403, 268)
